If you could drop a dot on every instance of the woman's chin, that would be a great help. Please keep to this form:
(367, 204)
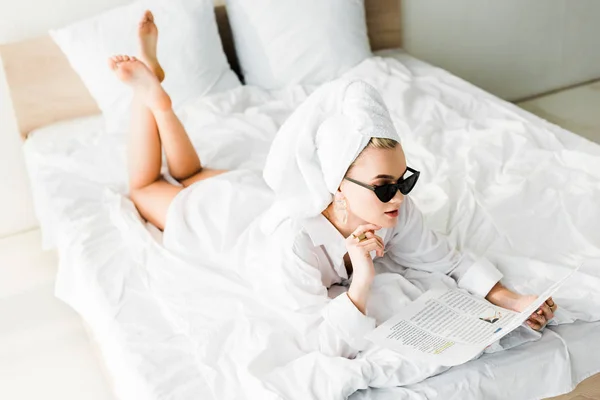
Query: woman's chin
(387, 221)
(383, 220)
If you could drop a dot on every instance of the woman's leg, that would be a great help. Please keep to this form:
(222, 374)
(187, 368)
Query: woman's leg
(150, 128)
(151, 194)
(154, 124)
(182, 159)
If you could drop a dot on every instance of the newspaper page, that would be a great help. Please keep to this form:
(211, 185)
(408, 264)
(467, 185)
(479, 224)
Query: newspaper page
(451, 326)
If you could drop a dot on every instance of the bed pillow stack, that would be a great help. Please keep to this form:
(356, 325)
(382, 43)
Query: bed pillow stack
(287, 42)
(189, 49)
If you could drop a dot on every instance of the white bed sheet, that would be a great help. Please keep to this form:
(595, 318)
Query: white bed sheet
(77, 173)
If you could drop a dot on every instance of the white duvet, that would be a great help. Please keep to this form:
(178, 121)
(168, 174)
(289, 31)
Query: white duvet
(500, 182)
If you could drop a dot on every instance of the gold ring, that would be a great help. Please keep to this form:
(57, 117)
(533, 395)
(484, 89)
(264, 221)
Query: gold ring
(361, 237)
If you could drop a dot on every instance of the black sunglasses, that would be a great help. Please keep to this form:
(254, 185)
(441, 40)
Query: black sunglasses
(387, 192)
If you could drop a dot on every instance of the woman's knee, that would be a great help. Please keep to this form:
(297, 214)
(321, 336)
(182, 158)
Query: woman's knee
(137, 195)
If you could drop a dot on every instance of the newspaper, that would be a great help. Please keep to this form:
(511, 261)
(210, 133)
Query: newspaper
(450, 327)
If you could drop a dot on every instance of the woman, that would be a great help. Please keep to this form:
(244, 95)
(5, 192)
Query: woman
(340, 215)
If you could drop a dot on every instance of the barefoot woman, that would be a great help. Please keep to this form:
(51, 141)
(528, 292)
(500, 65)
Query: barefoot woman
(340, 179)
(154, 124)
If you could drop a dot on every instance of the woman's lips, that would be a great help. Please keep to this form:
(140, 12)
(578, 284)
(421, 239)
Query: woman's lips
(392, 213)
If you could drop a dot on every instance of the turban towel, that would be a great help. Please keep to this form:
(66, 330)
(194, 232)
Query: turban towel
(315, 146)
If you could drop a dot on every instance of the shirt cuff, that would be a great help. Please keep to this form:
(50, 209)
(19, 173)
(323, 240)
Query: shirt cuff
(347, 320)
(480, 278)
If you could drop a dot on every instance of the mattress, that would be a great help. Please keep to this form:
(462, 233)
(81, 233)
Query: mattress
(78, 177)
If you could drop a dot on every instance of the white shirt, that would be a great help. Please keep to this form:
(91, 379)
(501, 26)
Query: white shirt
(309, 261)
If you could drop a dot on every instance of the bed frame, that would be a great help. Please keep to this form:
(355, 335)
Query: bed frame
(45, 89)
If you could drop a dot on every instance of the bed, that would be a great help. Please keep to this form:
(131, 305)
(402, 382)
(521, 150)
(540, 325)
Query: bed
(112, 270)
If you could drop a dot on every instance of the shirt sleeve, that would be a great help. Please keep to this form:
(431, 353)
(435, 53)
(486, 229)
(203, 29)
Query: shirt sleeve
(415, 246)
(334, 327)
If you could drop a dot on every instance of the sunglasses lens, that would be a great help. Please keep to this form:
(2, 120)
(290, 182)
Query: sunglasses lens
(408, 184)
(386, 192)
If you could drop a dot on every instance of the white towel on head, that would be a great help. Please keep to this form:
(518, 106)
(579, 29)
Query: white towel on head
(317, 143)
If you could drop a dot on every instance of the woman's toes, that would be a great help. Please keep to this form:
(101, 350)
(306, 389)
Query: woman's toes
(123, 65)
(147, 17)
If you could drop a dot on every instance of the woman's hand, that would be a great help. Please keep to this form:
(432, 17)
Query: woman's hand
(358, 250)
(362, 263)
(505, 298)
(542, 315)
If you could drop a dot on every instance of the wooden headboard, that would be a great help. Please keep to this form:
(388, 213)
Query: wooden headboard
(45, 89)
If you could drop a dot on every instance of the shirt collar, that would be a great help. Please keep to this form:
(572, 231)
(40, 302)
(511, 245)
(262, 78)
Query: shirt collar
(323, 233)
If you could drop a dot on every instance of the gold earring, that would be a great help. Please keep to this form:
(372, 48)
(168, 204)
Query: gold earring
(341, 209)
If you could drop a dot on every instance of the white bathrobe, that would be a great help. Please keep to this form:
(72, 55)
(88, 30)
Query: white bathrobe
(293, 257)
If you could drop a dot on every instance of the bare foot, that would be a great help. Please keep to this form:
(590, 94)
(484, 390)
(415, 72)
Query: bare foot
(148, 37)
(144, 83)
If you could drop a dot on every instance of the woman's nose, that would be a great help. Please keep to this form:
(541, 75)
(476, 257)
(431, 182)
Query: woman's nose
(398, 198)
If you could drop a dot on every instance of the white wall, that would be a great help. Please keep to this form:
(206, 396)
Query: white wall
(512, 48)
(20, 19)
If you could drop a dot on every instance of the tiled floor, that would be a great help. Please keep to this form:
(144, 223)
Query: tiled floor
(44, 350)
(586, 390)
(45, 353)
(576, 109)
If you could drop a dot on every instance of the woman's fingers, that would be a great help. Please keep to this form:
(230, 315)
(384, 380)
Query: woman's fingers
(536, 321)
(553, 306)
(542, 315)
(534, 325)
(369, 249)
(369, 242)
(369, 245)
(364, 228)
(372, 235)
(539, 319)
(546, 311)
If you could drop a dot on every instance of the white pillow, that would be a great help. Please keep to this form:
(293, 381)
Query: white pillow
(286, 42)
(189, 50)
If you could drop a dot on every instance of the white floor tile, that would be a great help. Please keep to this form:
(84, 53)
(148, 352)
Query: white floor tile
(44, 350)
(576, 109)
(23, 266)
